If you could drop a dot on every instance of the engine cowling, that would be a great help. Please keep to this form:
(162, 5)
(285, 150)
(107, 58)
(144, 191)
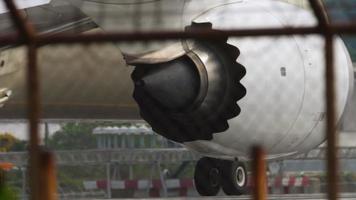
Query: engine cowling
(284, 106)
(178, 96)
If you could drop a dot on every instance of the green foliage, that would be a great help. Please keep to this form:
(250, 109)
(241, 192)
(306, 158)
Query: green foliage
(347, 176)
(8, 142)
(72, 176)
(72, 183)
(19, 145)
(7, 193)
(73, 136)
(14, 180)
(77, 136)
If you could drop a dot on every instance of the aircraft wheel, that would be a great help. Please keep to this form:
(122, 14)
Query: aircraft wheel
(234, 176)
(207, 177)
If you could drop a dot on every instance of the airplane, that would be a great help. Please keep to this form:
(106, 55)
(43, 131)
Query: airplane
(217, 98)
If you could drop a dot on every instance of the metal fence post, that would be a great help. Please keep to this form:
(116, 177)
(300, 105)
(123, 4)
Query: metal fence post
(24, 179)
(108, 180)
(162, 178)
(259, 173)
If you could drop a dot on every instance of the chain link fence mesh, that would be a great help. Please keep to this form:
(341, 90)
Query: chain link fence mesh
(283, 108)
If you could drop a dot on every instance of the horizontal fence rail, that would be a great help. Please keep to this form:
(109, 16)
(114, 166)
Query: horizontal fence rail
(137, 156)
(65, 38)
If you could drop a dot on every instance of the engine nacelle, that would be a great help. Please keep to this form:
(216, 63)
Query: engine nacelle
(178, 96)
(284, 106)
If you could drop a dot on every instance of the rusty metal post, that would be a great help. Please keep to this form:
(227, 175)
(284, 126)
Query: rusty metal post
(33, 114)
(320, 13)
(39, 164)
(331, 132)
(42, 163)
(259, 173)
(48, 176)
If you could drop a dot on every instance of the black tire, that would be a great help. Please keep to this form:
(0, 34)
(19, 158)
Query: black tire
(207, 177)
(234, 176)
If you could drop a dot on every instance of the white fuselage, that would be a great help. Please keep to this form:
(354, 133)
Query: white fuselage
(284, 108)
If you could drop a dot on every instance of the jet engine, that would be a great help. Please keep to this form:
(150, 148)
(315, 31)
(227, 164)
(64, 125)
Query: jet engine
(220, 97)
(177, 95)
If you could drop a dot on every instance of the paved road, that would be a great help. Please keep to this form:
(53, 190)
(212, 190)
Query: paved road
(343, 196)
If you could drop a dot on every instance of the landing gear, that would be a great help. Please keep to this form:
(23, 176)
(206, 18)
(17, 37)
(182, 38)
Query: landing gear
(207, 177)
(235, 177)
(212, 174)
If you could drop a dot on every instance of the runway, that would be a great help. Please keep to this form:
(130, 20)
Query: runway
(343, 196)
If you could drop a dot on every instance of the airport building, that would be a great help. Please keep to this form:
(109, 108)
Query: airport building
(134, 136)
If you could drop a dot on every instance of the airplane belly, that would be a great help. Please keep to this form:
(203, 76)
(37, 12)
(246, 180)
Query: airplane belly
(77, 82)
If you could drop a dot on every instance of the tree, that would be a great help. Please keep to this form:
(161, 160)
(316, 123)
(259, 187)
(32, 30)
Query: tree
(8, 142)
(73, 136)
(77, 135)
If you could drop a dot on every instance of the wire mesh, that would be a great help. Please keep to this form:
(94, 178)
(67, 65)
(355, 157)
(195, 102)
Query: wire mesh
(72, 86)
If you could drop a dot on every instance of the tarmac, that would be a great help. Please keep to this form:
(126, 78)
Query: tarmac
(342, 196)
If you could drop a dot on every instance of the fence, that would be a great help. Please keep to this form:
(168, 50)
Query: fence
(39, 161)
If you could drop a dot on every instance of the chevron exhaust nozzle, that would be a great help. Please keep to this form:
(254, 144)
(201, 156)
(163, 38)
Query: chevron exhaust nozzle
(192, 92)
